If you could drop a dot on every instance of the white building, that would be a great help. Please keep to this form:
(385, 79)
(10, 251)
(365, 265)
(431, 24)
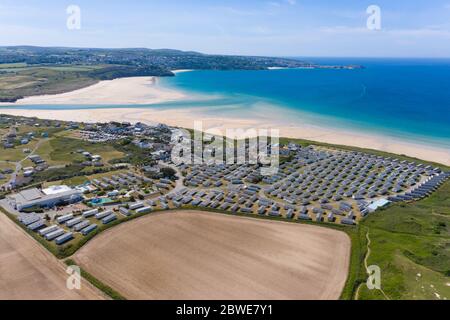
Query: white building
(49, 197)
(377, 204)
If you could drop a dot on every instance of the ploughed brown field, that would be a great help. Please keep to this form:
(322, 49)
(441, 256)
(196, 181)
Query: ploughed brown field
(30, 272)
(202, 255)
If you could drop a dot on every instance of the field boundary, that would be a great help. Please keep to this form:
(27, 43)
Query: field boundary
(353, 275)
(112, 293)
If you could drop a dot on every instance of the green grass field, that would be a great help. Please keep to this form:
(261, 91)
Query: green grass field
(12, 65)
(22, 81)
(61, 150)
(16, 154)
(411, 244)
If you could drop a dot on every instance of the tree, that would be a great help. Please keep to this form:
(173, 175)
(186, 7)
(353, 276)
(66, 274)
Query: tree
(168, 172)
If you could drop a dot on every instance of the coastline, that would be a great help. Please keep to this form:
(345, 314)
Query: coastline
(142, 92)
(185, 118)
(132, 90)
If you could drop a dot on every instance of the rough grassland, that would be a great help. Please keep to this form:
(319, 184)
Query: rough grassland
(411, 244)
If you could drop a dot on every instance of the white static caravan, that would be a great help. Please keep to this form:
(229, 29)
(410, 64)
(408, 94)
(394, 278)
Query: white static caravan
(90, 213)
(74, 221)
(103, 214)
(137, 205)
(52, 235)
(47, 230)
(144, 210)
(109, 218)
(89, 229)
(81, 225)
(64, 218)
(64, 238)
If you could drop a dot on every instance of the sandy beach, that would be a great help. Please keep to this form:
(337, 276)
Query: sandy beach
(185, 118)
(136, 90)
(145, 90)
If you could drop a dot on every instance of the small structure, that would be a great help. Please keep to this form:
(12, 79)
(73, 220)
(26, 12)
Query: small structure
(377, 204)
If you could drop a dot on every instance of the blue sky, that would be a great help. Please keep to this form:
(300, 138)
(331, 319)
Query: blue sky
(410, 28)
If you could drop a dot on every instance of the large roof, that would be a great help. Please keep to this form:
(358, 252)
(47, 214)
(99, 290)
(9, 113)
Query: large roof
(56, 189)
(29, 195)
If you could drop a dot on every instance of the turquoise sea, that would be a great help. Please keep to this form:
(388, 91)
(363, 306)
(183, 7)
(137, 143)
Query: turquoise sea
(403, 98)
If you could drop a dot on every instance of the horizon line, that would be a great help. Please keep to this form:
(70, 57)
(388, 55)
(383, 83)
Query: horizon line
(233, 54)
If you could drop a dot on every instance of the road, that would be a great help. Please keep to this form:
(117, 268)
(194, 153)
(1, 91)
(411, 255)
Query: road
(13, 178)
(179, 182)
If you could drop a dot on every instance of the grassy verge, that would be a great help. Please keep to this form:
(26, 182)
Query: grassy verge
(97, 283)
(410, 243)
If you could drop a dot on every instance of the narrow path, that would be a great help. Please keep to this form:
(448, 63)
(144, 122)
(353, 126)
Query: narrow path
(19, 164)
(366, 258)
(440, 214)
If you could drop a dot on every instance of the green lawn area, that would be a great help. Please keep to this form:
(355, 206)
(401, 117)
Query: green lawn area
(23, 129)
(22, 81)
(411, 244)
(61, 150)
(5, 165)
(107, 174)
(74, 181)
(16, 154)
(12, 65)
(74, 68)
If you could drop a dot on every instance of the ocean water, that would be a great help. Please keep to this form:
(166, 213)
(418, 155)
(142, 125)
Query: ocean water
(406, 98)
(401, 98)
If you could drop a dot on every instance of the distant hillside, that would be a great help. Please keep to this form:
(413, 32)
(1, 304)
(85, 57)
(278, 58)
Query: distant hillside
(28, 71)
(160, 61)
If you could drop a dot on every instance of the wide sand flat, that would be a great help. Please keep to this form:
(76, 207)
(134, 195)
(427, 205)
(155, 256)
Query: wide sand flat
(140, 91)
(200, 255)
(29, 272)
(133, 90)
(185, 117)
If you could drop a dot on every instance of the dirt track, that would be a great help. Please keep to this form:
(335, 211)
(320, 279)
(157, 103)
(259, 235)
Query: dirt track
(199, 255)
(29, 272)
